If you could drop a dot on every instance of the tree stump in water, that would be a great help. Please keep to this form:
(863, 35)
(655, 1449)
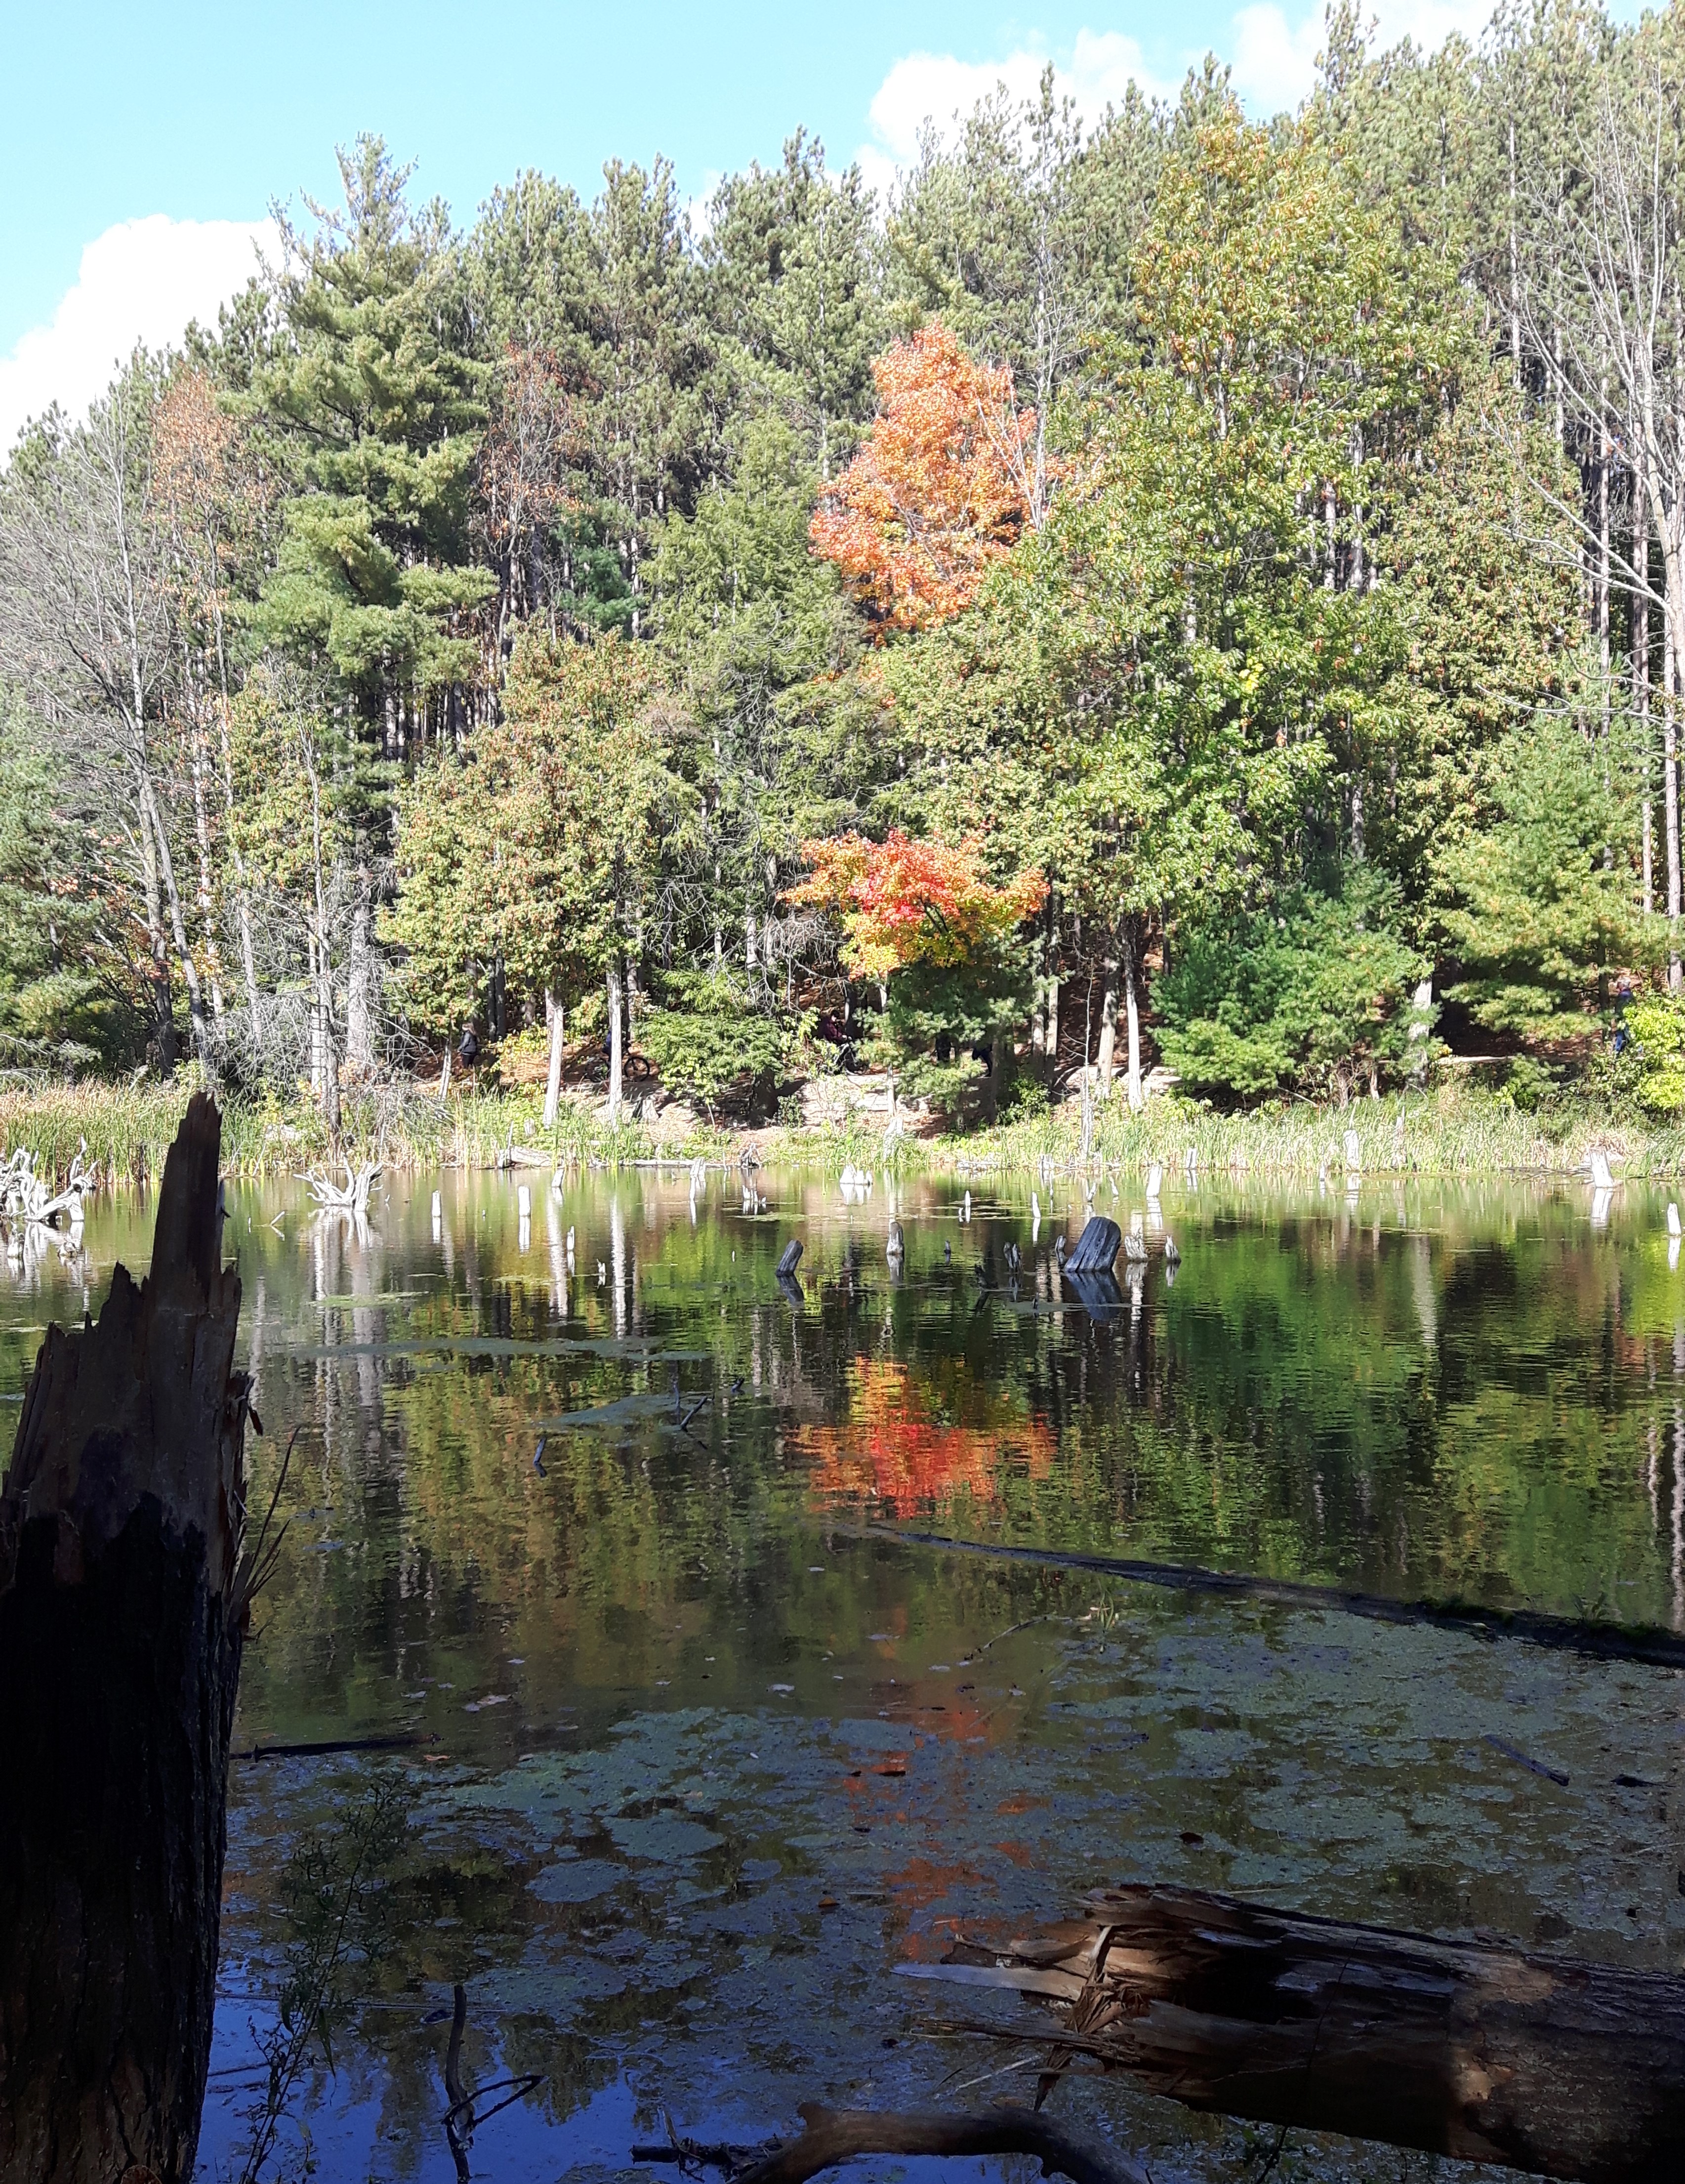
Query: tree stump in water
(120, 1629)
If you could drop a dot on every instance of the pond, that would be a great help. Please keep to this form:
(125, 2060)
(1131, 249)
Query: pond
(581, 1510)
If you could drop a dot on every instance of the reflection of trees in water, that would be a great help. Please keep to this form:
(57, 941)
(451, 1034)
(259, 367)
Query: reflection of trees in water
(1464, 1410)
(898, 1448)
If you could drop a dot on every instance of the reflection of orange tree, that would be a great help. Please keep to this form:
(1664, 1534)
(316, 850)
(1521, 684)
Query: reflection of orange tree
(896, 1446)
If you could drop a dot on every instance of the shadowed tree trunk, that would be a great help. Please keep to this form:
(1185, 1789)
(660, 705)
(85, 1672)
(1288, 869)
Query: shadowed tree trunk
(121, 1605)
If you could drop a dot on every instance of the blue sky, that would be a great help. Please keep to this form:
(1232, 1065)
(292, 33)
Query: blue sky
(132, 133)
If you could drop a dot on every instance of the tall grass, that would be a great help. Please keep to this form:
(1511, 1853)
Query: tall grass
(1450, 1130)
(128, 1128)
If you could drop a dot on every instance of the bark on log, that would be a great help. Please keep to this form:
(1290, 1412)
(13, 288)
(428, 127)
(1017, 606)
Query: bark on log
(122, 1610)
(1483, 2053)
(831, 2136)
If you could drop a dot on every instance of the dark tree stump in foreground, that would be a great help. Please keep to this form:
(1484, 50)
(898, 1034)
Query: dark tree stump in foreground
(1485, 2052)
(120, 1616)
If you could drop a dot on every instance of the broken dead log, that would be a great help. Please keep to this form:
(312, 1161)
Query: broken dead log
(1568, 1634)
(122, 1601)
(1465, 2048)
(832, 2135)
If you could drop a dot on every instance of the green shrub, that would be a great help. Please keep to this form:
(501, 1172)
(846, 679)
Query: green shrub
(713, 1043)
(1306, 993)
(1657, 1028)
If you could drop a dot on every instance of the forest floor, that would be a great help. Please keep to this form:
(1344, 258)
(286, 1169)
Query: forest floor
(1449, 1128)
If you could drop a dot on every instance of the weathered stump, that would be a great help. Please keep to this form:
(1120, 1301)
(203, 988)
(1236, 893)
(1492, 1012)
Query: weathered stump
(121, 1629)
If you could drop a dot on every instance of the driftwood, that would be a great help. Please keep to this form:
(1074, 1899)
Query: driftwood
(122, 1601)
(831, 2136)
(26, 1197)
(352, 1196)
(1465, 2048)
(1603, 1641)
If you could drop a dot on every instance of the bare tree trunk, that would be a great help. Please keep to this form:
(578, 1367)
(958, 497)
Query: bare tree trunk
(1670, 788)
(243, 906)
(1515, 270)
(1132, 1020)
(202, 832)
(122, 1597)
(178, 923)
(1108, 1030)
(553, 1085)
(615, 985)
(360, 978)
(328, 1060)
(1641, 680)
(163, 1000)
(1604, 456)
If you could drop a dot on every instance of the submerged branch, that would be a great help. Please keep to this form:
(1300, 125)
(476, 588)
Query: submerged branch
(1606, 1641)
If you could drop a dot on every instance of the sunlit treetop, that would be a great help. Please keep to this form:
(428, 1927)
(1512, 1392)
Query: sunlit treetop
(903, 902)
(936, 493)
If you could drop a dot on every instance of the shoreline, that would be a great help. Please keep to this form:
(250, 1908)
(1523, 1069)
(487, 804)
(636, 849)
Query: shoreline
(1452, 1131)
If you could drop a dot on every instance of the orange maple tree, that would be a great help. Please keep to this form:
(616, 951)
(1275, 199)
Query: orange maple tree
(937, 492)
(903, 902)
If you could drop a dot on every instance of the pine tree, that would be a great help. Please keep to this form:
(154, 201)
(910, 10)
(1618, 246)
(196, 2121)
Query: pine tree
(378, 412)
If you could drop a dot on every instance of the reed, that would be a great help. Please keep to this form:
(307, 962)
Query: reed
(127, 1128)
(1451, 1131)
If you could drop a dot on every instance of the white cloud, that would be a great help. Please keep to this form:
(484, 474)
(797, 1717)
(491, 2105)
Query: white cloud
(1275, 61)
(142, 280)
(935, 88)
(1274, 65)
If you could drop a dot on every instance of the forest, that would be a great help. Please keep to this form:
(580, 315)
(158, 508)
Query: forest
(1172, 592)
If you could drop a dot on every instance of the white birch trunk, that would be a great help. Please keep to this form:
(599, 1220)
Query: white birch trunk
(552, 1083)
(1108, 1031)
(616, 1056)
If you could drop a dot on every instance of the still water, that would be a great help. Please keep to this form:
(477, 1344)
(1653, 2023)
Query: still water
(698, 1760)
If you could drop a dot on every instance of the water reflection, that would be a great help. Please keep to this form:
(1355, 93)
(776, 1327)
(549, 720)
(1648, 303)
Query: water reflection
(703, 1764)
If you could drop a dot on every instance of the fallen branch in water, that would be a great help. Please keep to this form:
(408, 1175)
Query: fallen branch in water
(1604, 1641)
(831, 2136)
(405, 1743)
(1472, 2049)
(459, 2136)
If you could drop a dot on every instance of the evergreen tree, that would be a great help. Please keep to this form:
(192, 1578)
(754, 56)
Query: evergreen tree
(377, 411)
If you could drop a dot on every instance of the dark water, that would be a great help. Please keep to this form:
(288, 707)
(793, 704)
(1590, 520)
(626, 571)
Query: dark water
(705, 1764)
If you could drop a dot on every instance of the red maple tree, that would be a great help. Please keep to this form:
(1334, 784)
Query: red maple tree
(902, 902)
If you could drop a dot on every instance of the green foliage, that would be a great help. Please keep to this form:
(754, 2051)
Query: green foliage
(377, 412)
(55, 1011)
(535, 855)
(473, 614)
(1306, 995)
(1656, 1027)
(1539, 911)
(709, 1040)
(1530, 1084)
